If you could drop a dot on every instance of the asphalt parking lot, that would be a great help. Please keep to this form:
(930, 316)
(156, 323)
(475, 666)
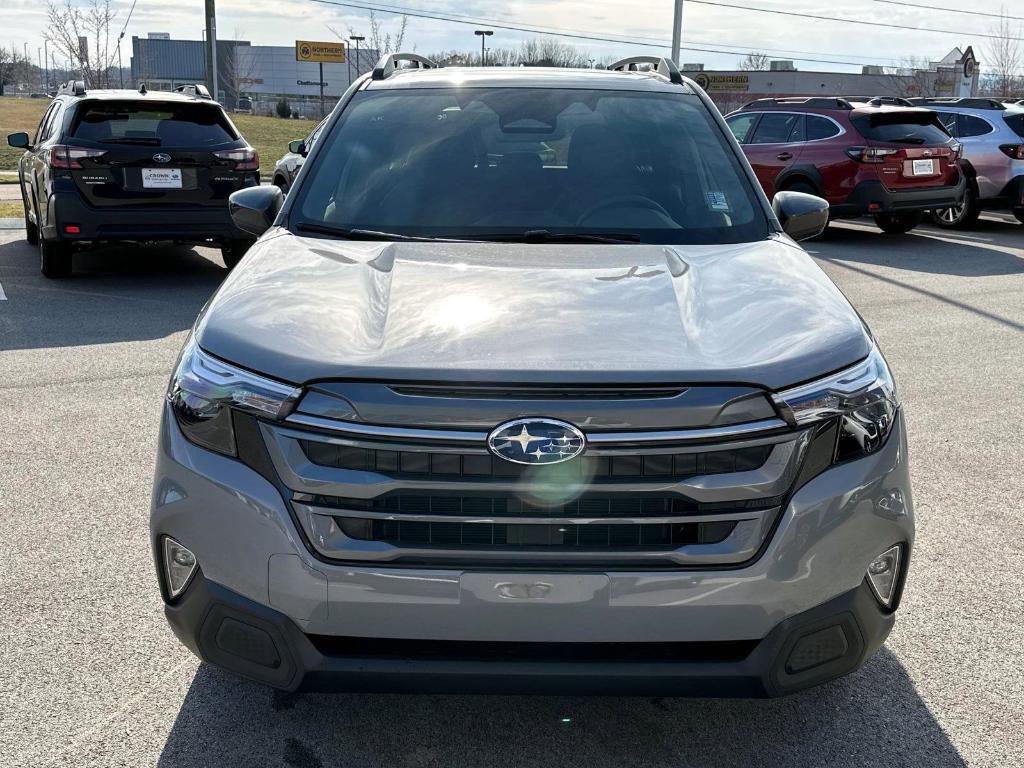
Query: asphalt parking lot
(92, 676)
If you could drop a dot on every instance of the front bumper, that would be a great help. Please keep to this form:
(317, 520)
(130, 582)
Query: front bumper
(731, 630)
(872, 197)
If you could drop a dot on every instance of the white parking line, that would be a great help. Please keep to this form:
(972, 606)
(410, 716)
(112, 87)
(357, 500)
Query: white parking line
(3, 296)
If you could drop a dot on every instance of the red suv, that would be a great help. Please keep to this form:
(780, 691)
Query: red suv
(867, 156)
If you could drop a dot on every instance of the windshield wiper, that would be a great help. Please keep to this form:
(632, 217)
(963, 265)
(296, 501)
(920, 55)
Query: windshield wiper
(546, 236)
(133, 140)
(366, 234)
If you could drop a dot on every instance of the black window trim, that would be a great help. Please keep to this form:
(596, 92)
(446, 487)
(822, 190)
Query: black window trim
(762, 113)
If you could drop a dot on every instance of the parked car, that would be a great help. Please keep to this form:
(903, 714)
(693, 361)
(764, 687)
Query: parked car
(120, 165)
(469, 420)
(288, 167)
(992, 135)
(866, 156)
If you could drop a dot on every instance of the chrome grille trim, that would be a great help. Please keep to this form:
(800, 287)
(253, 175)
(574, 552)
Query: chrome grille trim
(379, 432)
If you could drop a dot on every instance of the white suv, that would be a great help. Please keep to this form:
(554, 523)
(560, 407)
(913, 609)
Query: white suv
(992, 134)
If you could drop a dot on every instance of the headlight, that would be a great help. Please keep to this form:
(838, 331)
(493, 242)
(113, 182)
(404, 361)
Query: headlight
(862, 397)
(204, 389)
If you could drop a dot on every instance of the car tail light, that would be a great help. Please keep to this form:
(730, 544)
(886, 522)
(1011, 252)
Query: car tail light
(870, 154)
(63, 156)
(247, 159)
(1015, 151)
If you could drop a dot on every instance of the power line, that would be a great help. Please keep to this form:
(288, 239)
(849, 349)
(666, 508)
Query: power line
(942, 9)
(863, 22)
(437, 16)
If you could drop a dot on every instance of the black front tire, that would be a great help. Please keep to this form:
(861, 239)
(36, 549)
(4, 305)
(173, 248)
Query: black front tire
(959, 216)
(898, 223)
(54, 258)
(233, 250)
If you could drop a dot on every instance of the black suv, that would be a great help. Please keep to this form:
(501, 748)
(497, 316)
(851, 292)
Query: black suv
(121, 165)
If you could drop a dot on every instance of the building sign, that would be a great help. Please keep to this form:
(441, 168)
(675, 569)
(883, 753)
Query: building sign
(312, 82)
(722, 82)
(325, 53)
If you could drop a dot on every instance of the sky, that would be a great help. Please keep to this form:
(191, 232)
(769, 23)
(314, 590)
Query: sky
(838, 46)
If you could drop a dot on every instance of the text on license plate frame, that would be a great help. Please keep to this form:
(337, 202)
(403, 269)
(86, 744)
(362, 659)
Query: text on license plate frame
(161, 178)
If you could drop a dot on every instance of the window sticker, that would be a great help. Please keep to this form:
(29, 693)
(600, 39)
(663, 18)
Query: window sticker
(717, 201)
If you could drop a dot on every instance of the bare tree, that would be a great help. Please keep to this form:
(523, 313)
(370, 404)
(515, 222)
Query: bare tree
(386, 42)
(69, 21)
(11, 64)
(1003, 57)
(538, 52)
(912, 78)
(239, 69)
(755, 61)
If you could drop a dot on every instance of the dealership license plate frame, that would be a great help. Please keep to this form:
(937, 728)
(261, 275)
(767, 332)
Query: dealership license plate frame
(923, 167)
(162, 178)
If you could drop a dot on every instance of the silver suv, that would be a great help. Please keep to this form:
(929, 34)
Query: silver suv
(992, 135)
(527, 386)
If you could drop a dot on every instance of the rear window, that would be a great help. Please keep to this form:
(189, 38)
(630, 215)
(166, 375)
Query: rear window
(1016, 123)
(153, 124)
(902, 128)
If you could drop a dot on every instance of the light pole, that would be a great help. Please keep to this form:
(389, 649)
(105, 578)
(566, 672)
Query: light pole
(677, 30)
(357, 39)
(46, 64)
(483, 34)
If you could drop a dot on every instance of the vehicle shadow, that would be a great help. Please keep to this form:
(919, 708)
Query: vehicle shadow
(987, 250)
(874, 717)
(124, 293)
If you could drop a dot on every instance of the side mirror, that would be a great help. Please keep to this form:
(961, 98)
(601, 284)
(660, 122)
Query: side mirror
(802, 216)
(19, 140)
(297, 147)
(254, 209)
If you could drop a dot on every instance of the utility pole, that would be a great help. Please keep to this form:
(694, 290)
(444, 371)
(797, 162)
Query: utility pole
(46, 65)
(211, 47)
(39, 58)
(484, 34)
(357, 39)
(677, 30)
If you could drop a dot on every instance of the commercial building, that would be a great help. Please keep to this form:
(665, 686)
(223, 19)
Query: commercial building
(956, 74)
(264, 74)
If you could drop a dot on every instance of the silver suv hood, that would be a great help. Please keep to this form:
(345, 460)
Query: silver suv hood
(301, 309)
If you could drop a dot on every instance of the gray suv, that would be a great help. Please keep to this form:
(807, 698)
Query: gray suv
(992, 135)
(527, 387)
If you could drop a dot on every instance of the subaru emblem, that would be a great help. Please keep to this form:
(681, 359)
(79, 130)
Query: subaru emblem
(536, 441)
(162, 157)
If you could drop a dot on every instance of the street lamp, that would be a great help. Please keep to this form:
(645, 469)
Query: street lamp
(483, 34)
(357, 39)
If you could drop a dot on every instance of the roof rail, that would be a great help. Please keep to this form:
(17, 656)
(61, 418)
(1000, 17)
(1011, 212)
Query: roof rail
(665, 67)
(959, 101)
(198, 90)
(817, 102)
(878, 101)
(72, 88)
(388, 64)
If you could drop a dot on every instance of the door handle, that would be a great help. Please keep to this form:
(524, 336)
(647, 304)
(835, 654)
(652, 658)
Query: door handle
(784, 156)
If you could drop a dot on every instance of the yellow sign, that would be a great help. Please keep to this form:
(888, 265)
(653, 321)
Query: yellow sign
(722, 82)
(325, 53)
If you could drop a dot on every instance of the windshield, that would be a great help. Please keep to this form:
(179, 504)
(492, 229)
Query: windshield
(173, 124)
(473, 163)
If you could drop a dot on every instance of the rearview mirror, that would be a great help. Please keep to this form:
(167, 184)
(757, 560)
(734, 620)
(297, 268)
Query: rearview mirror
(19, 140)
(297, 147)
(802, 216)
(254, 209)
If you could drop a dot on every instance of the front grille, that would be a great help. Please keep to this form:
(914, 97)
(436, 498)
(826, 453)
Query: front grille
(593, 536)
(508, 505)
(482, 465)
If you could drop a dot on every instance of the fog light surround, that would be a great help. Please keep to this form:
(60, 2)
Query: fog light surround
(884, 574)
(180, 566)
